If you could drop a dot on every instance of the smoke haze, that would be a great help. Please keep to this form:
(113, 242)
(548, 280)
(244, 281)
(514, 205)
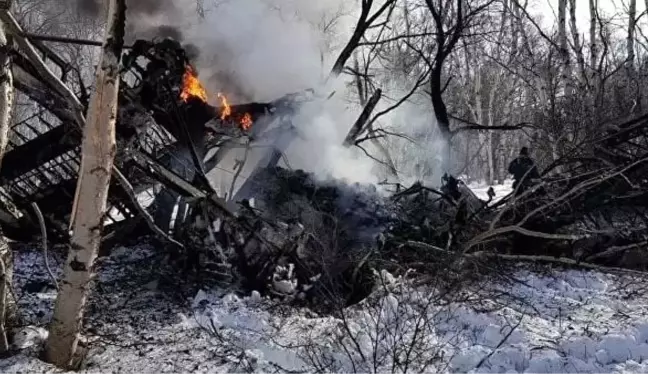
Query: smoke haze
(260, 50)
(144, 18)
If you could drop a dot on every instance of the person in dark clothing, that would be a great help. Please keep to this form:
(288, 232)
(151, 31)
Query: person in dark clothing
(524, 171)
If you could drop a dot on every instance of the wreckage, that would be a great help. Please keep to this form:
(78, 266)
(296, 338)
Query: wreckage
(169, 138)
(165, 127)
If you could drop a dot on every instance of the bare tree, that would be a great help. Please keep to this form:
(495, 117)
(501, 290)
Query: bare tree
(563, 46)
(577, 44)
(593, 9)
(451, 21)
(364, 22)
(98, 150)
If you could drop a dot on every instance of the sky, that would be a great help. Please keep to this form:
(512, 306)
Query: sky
(548, 9)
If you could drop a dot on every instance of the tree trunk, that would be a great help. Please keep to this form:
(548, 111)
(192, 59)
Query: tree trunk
(7, 302)
(360, 123)
(489, 159)
(364, 22)
(632, 25)
(562, 45)
(578, 46)
(592, 33)
(98, 150)
(441, 115)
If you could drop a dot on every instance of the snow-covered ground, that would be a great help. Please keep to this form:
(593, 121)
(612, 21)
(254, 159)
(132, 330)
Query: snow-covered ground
(540, 320)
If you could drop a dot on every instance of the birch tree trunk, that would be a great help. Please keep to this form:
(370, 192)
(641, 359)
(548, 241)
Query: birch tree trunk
(7, 303)
(632, 25)
(562, 44)
(593, 4)
(98, 150)
(578, 46)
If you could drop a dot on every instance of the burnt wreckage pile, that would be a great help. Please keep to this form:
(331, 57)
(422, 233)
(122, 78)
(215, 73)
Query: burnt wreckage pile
(282, 231)
(163, 134)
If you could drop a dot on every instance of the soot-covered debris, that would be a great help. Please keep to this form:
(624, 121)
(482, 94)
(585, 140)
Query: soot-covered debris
(360, 211)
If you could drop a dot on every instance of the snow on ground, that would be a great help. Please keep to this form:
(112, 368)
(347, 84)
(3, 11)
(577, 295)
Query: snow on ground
(481, 189)
(144, 198)
(542, 320)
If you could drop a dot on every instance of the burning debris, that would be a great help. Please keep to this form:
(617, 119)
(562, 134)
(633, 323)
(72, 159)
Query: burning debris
(164, 114)
(282, 231)
(192, 88)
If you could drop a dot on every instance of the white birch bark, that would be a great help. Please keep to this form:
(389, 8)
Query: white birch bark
(593, 5)
(563, 48)
(6, 91)
(578, 45)
(632, 25)
(98, 150)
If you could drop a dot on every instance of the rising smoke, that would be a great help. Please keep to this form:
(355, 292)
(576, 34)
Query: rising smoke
(144, 18)
(257, 50)
(260, 50)
(94, 8)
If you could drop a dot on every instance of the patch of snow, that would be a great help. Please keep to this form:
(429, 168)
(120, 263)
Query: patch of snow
(255, 296)
(555, 321)
(29, 336)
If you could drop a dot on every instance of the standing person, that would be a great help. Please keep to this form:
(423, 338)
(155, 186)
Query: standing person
(524, 171)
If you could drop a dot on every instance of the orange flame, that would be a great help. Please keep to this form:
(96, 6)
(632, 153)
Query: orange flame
(246, 121)
(191, 86)
(227, 110)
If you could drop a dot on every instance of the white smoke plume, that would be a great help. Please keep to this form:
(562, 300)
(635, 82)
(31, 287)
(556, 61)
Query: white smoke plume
(261, 50)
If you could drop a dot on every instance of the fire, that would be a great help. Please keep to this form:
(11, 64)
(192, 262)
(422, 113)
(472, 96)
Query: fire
(246, 121)
(191, 86)
(227, 109)
(226, 112)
